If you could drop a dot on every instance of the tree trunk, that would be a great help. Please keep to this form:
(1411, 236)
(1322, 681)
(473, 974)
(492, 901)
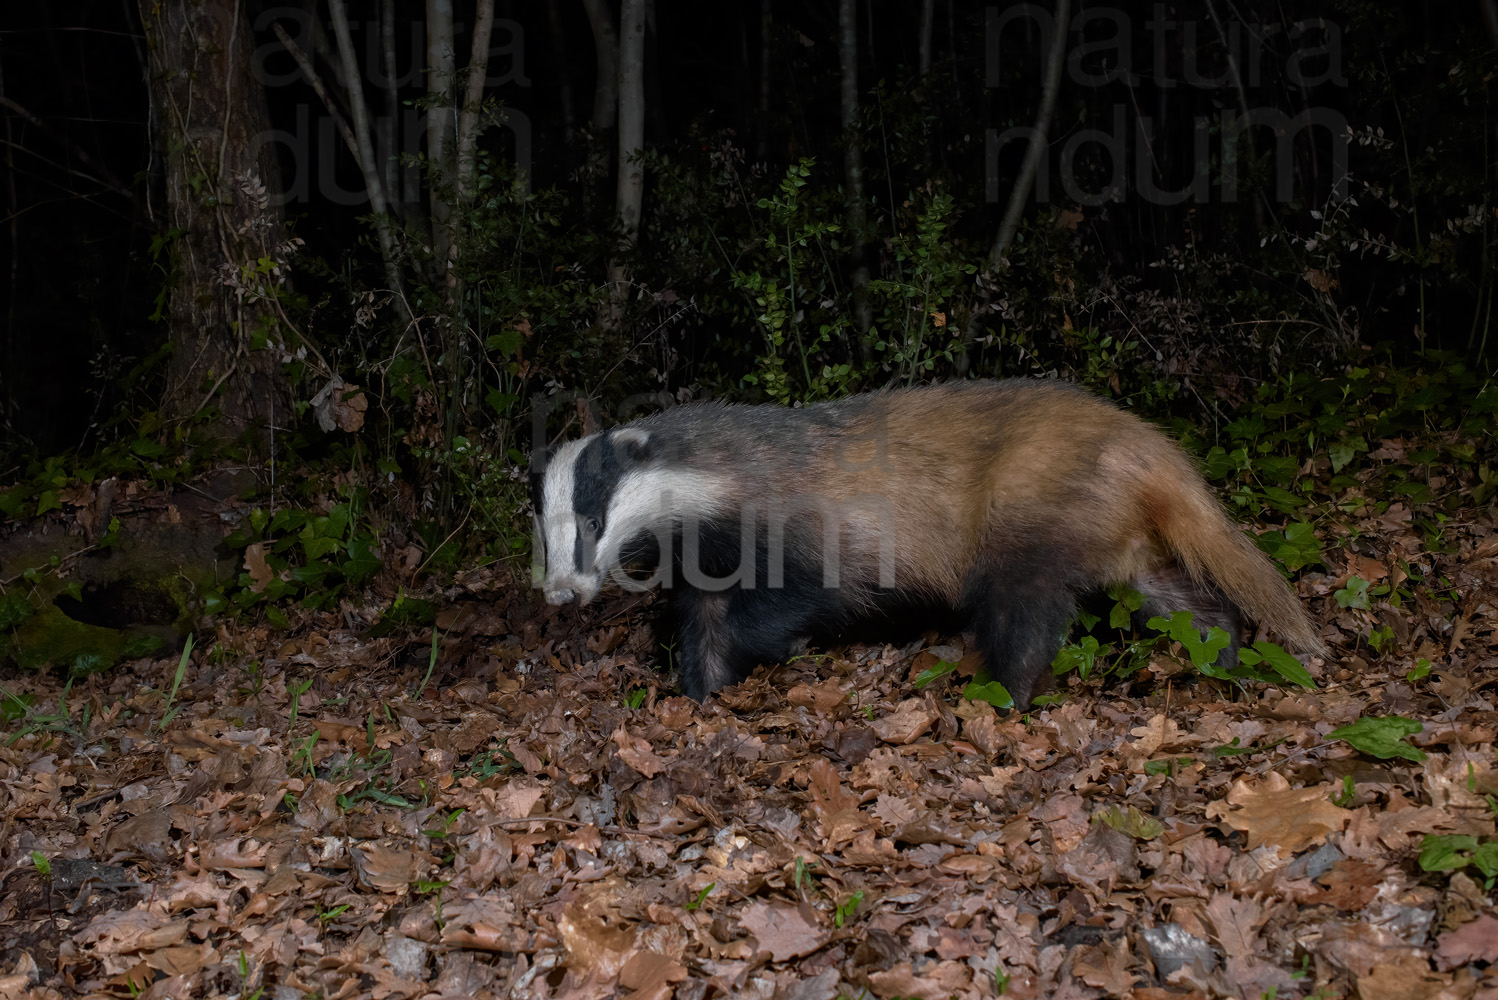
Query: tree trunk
(766, 28)
(564, 70)
(389, 129)
(221, 188)
(928, 18)
(441, 70)
(606, 48)
(473, 98)
(365, 153)
(853, 163)
(630, 192)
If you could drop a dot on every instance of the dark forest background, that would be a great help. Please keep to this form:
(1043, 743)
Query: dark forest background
(820, 198)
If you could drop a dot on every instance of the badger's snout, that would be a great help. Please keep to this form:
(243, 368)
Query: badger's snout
(560, 596)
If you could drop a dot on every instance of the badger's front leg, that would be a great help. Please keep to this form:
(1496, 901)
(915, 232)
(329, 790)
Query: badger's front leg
(704, 660)
(727, 633)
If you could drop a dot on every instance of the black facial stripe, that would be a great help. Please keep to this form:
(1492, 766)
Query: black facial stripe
(599, 467)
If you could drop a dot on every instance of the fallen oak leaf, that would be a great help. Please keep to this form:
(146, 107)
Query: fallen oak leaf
(1474, 941)
(911, 718)
(255, 564)
(783, 930)
(650, 974)
(597, 940)
(1271, 812)
(637, 753)
(386, 866)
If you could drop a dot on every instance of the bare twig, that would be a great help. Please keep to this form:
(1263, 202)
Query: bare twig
(101, 173)
(310, 72)
(366, 157)
(1020, 194)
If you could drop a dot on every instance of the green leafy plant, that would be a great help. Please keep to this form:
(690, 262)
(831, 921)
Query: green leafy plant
(435, 887)
(169, 712)
(445, 829)
(1453, 852)
(1383, 738)
(1354, 594)
(991, 692)
(847, 908)
(938, 669)
(695, 903)
(302, 554)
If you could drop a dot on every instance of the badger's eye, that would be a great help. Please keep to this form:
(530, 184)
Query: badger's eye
(591, 526)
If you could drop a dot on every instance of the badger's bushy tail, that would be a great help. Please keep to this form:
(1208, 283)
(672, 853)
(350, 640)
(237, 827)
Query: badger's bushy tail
(1193, 524)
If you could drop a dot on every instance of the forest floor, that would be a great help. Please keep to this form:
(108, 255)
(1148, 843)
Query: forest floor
(521, 808)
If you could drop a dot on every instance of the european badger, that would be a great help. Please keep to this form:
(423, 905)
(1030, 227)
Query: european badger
(1001, 501)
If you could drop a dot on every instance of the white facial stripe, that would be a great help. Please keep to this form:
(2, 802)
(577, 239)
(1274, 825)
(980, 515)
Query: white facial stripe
(653, 500)
(559, 523)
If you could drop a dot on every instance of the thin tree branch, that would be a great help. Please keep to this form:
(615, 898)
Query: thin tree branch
(366, 157)
(1020, 194)
(102, 174)
(310, 72)
(631, 116)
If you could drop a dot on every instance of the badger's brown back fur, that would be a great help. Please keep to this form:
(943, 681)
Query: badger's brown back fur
(1007, 500)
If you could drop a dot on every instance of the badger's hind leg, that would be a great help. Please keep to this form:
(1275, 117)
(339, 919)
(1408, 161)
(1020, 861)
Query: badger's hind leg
(1020, 623)
(1170, 588)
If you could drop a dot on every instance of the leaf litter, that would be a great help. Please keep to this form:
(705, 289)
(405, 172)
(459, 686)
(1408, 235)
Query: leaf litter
(540, 817)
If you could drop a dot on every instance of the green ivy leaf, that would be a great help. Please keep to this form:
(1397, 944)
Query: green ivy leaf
(1382, 738)
(990, 691)
(1281, 662)
(1354, 595)
(1486, 858)
(939, 669)
(1296, 547)
(1446, 852)
(1203, 652)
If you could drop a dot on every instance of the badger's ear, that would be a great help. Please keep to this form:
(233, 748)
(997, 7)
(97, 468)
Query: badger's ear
(634, 444)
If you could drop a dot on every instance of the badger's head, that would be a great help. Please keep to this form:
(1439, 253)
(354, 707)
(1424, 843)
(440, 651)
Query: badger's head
(605, 496)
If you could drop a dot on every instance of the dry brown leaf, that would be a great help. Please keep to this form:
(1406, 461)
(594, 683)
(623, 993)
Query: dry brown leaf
(134, 930)
(1474, 941)
(254, 564)
(650, 974)
(901, 981)
(515, 799)
(910, 719)
(388, 866)
(1405, 981)
(785, 931)
(1161, 735)
(147, 835)
(823, 697)
(1350, 885)
(1106, 966)
(597, 940)
(1271, 812)
(637, 753)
